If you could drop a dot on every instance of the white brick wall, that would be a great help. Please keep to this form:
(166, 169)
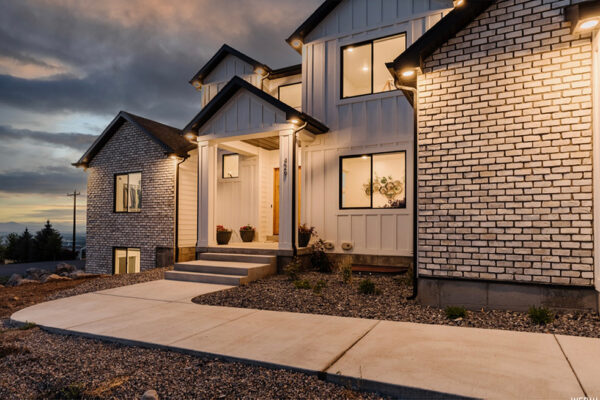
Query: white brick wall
(129, 150)
(505, 142)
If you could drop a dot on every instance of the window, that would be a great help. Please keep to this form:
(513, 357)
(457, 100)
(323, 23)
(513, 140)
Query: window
(127, 261)
(128, 193)
(291, 95)
(373, 181)
(231, 166)
(363, 66)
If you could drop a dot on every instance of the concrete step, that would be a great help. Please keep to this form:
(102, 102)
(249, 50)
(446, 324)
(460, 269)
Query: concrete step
(233, 280)
(224, 267)
(245, 258)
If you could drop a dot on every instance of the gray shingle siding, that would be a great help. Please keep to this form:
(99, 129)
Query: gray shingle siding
(129, 150)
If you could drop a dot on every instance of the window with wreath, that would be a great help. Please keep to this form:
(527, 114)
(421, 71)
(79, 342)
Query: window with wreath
(363, 66)
(373, 181)
(128, 193)
(127, 260)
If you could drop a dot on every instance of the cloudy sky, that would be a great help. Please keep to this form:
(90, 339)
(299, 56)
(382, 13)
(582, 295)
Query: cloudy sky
(68, 66)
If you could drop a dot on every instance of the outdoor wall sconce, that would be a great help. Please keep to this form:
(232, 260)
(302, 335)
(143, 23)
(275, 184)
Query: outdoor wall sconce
(584, 17)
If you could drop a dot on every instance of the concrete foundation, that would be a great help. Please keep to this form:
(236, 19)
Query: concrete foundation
(474, 294)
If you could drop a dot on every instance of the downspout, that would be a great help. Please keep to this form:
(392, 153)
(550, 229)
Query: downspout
(176, 235)
(262, 81)
(294, 173)
(416, 187)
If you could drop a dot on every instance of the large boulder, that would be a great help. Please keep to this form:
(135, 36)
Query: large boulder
(65, 268)
(54, 277)
(14, 280)
(36, 273)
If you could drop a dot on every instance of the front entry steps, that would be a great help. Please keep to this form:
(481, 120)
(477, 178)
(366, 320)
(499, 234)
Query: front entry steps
(224, 269)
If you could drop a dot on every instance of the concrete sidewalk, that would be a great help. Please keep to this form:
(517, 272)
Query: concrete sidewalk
(402, 359)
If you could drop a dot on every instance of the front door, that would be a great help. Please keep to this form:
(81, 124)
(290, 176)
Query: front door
(276, 198)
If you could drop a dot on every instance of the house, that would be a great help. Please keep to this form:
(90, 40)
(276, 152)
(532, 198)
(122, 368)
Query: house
(493, 205)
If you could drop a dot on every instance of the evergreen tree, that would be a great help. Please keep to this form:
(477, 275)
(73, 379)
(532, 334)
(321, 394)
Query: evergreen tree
(2, 250)
(47, 244)
(25, 250)
(12, 242)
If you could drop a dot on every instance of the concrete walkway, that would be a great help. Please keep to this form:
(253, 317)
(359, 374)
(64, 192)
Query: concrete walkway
(402, 359)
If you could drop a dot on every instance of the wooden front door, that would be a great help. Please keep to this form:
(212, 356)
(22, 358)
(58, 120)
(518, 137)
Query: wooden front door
(276, 198)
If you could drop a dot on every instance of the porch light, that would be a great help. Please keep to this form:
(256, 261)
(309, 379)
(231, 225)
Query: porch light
(584, 17)
(296, 43)
(190, 135)
(197, 84)
(295, 121)
(458, 3)
(260, 71)
(408, 73)
(366, 69)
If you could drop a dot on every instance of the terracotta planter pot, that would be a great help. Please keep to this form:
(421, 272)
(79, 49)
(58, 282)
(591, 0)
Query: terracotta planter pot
(303, 239)
(223, 237)
(247, 236)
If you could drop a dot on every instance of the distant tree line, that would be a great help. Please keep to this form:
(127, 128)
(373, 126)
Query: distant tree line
(46, 245)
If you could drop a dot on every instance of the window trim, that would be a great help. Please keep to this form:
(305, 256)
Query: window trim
(115, 192)
(358, 44)
(223, 166)
(341, 172)
(289, 84)
(114, 257)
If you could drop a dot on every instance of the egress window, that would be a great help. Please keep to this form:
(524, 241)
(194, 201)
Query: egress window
(363, 66)
(373, 181)
(127, 261)
(128, 193)
(231, 166)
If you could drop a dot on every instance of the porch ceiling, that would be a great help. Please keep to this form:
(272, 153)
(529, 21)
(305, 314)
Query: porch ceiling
(268, 143)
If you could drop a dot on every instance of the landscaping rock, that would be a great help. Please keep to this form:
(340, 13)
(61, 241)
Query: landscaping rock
(26, 281)
(150, 395)
(65, 268)
(79, 274)
(54, 277)
(14, 280)
(36, 273)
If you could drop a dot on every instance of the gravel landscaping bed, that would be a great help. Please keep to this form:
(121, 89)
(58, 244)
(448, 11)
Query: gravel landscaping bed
(278, 293)
(39, 365)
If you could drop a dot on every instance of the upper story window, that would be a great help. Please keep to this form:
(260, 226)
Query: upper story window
(128, 192)
(231, 166)
(363, 65)
(291, 95)
(373, 181)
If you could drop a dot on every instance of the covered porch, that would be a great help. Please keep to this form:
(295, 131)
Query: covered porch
(249, 169)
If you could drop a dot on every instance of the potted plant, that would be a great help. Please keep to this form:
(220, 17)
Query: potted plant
(223, 234)
(247, 233)
(304, 234)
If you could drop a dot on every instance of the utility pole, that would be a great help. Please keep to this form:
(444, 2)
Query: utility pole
(74, 195)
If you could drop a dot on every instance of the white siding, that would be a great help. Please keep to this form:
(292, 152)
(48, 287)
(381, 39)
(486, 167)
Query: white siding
(369, 124)
(244, 114)
(228, 68)
(188, 201)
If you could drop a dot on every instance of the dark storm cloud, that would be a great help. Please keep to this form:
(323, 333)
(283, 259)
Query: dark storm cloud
(134, 59)
(78, 141)
(51, 180)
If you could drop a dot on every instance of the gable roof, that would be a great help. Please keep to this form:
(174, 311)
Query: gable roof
(219, 56)
(237, 83)
(169, 138)
(311, 23)
(446, 28)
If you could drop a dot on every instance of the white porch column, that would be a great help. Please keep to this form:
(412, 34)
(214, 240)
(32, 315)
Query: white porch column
(286, 188)
(207, 191)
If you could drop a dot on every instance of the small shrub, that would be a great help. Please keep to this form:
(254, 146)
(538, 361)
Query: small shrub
(293, 269)
(455, 312)
(71, 392)
(367, 286)
(318, 288)
(302, 284)
(27, 326)
(4, 280)
(319, 259)
(345, 268)
(540, 315)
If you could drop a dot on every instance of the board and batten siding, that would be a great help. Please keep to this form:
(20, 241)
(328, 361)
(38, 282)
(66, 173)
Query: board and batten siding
(228, 68)
(368, 124)
(188, 201)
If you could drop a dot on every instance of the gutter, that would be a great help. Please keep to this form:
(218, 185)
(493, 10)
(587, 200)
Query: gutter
(415, 104)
